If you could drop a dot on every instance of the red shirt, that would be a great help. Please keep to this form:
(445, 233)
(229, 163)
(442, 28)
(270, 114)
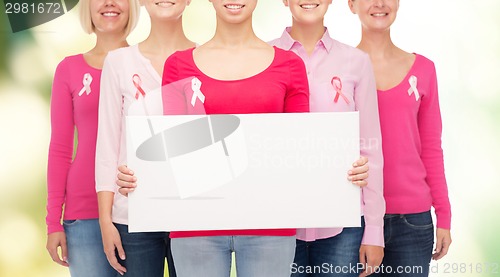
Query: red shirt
(281, 87)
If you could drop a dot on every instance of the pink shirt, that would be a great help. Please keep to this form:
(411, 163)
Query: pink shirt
(124, 70)
(70, 182)
(334, 64)
(411, 128)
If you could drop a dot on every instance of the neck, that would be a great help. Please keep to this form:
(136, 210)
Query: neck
(307, 34)
(108, 42)
(234, 35)
(166, 36)
(378, 45)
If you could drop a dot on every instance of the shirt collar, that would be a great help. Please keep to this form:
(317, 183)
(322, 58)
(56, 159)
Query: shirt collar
(287, 42)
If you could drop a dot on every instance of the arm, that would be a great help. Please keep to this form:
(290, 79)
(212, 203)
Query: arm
(430, 127)
(107, 155)
(60, 156)
(365, 96)
(297, 94)
(110, 237)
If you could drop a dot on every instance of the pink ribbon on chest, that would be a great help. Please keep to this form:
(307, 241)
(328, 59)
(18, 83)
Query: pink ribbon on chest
(337, 85)
(137, 83)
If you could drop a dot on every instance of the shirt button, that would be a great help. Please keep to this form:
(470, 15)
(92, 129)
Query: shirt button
(308, 72)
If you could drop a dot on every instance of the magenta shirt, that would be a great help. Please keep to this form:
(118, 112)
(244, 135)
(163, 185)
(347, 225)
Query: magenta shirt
(70, 182)
(334, 64)
(411, 129)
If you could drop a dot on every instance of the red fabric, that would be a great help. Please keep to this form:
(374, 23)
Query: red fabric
(282, 87)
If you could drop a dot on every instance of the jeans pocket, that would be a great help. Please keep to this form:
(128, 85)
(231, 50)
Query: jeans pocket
(418, 221)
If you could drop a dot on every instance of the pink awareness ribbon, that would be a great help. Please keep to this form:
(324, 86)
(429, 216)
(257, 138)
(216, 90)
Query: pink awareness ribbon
(87, 80)
(413, 87)
(337, 85)
(137, 83)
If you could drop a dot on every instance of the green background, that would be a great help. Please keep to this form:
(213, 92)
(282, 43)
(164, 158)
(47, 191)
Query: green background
(462, 37)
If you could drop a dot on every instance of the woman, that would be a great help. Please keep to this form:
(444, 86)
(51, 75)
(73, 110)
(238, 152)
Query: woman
(410, 121)
(335, 68)
(131, 86)
(74, 103)
(272, 81)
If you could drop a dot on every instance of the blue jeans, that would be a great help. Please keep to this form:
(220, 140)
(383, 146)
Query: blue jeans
(334, 256)
(263, 256)
(146, 253)
(85, 251)
(408, 244)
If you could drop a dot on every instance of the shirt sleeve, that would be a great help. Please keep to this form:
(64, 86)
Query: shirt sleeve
(430, 128)
(60, 148)
(365, 97)
(109, 128)
(174, 100)
(297, 94)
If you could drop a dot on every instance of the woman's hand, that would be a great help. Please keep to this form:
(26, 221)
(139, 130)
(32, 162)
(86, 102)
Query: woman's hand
(126, 180)
(359, 172)
(443, 241)
(54, 242)
(370, 256)
(112, 242)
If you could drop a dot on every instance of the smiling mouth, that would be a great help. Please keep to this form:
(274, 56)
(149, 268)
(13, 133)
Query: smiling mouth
(309, 6)
(164, 4)
(234, 6)
(379, 14)
(110, 14)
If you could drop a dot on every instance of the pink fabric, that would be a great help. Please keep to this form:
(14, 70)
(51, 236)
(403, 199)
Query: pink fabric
(334, 65)
(282, 87)
(411, 129)
(122, 70)
(70, 182)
